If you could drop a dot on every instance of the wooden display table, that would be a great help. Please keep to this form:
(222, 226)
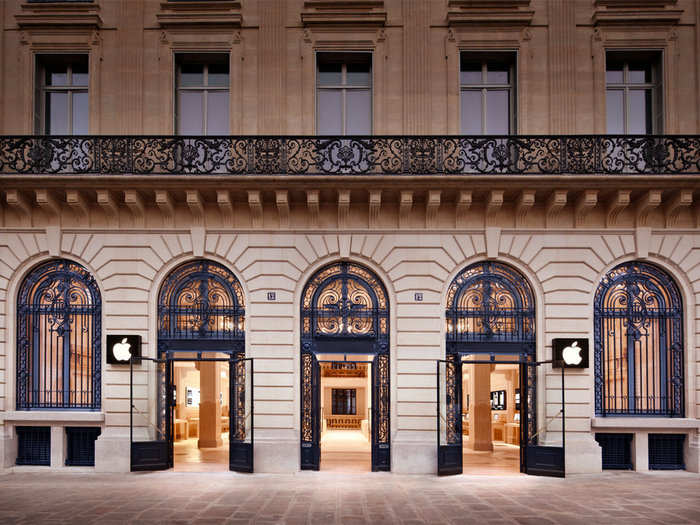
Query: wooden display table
(181, 429)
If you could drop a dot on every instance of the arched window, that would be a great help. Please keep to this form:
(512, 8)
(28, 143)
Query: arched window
(490, 302)
(638, 342)
(59, 330)
(345, 300)
(201, 300)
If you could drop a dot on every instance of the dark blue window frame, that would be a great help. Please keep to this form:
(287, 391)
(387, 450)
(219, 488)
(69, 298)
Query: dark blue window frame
(638, 347)
(59, 308)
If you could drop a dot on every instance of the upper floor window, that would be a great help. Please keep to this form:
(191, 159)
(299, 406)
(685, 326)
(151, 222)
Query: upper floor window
(62, 95)
(487, 93)
(344, 93)
(202, 84)
(633, 92)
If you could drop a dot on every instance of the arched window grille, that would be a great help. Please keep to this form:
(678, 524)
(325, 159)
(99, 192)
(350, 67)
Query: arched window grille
(345, 300)
(490, 302)
(638, 332)
(201, 300)
(59, 331)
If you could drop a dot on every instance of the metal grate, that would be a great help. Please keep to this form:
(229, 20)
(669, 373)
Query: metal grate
(666, 451)
(616, 450)
(34, 446)
(80, 450)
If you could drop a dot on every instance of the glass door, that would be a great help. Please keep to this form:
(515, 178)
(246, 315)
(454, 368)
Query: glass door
(449, 418)
(241, 406)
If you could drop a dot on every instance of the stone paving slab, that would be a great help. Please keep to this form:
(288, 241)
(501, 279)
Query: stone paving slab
(352, 498)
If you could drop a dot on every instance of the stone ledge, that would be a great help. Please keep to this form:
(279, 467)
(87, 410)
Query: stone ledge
(632, 423)
(53, 416)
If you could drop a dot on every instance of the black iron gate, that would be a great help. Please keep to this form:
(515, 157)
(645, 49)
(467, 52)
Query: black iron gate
(157, 453)
(535, 459)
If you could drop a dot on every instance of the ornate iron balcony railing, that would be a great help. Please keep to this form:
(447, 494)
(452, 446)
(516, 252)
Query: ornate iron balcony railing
(352, 155)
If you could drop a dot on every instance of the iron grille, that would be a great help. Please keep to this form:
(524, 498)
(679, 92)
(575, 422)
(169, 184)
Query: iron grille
(638, 318)
(59, 330)
(357, 155)
(666, 451)
(490, 301)
(201, 300)
(34, 446)
(80, 449)
(616, 450)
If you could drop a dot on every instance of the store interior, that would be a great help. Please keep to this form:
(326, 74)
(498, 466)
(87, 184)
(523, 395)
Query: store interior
(490, 416)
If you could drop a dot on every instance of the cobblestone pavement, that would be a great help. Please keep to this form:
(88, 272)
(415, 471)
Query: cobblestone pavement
(313, 497)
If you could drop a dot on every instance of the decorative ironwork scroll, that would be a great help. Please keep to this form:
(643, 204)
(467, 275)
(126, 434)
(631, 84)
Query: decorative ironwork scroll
(357, 155)
(59, 333)
(201, 300)
(638, 349)
(490, 301)
(342, 306)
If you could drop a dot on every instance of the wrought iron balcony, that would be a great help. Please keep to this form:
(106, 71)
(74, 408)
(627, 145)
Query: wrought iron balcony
(351, 155)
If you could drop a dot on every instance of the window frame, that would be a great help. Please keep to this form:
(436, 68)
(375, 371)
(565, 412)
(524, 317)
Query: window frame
(42, 63)
(485, 57)
(205, 88)
(344, 87)
(346, 400)
(655, 59)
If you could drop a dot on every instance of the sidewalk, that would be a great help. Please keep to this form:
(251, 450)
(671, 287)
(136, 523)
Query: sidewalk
(325, 498)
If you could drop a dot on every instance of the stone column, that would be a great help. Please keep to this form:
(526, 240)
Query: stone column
(480, 407)
(209, 405)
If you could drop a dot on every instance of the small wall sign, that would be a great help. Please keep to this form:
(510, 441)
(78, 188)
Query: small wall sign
(120, 348)
(271, 296)
(570, 353)
(418, 296)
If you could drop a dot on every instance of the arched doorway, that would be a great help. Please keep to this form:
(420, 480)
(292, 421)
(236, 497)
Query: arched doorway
(204, 382)
(344, 320)
(487, 383)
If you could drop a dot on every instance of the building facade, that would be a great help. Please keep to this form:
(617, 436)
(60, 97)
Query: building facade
(427, 184)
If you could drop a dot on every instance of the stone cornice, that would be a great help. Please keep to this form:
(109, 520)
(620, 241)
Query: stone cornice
(616, 12)
(68, 15)
(179, 14)
(490, 12)
(344, 13)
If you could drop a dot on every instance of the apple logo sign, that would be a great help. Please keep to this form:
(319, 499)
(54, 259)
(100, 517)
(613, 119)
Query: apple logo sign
(571, 354)
(121, 350)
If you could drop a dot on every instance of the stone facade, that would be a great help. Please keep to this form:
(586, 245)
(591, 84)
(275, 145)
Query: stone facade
(563, 232)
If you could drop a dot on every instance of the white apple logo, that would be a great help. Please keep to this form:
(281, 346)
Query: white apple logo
(572, 354)
(121, 351)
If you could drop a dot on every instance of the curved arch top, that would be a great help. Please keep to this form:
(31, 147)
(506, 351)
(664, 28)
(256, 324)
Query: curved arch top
(201, 299)
(345, 300)
(490, 302)
(638, 342)
(59, 334)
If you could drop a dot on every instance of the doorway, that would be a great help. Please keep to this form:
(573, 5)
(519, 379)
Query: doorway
(201, 422)
(204, 413)
(346, 413)
(491, 416)
(344, 317)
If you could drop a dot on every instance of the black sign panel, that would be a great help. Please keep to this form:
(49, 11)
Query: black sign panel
(570, 353)
(120, 348)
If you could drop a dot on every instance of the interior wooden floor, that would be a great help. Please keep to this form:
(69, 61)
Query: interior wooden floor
(345, 451)
(504, 460)
(189, 458)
